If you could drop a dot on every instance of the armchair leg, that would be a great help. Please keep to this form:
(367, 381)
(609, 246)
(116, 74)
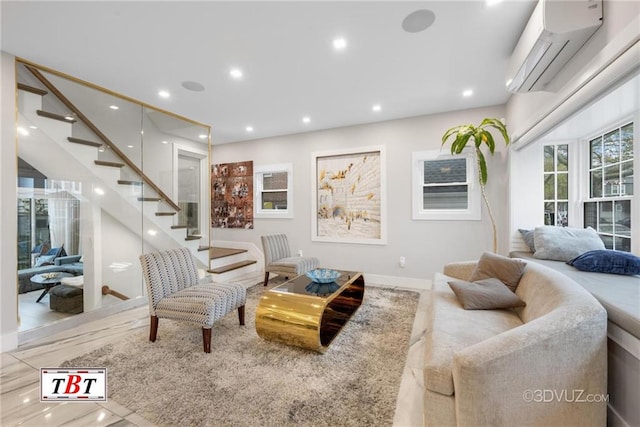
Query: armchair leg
(206, 339)
(241, 315)
(153, 330)
(266, 278)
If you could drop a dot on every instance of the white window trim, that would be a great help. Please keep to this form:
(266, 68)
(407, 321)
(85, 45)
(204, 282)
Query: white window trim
(474, 209)
(258, 171)
(584, 185)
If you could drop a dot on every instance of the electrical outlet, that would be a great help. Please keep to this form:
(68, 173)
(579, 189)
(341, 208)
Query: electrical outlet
(403, 262)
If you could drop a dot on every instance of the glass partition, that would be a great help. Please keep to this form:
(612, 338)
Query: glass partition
(102, 179)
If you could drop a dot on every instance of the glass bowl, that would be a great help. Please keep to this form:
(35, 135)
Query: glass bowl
(323, 275)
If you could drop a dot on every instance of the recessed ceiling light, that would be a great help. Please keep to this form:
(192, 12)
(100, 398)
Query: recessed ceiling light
(165, 142)
(236, 73)
(467, 93)
(418, 21)
(306, 119)
(164, 94)
(376, 107)
(249, 128)
(203, 136)
(129, 146)
(339, 43)
(193, 86)
(114, 107)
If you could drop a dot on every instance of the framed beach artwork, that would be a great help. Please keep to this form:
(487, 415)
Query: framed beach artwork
(349, 196)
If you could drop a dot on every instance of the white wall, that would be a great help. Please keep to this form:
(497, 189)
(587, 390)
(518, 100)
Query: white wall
(426, 245)
(8, 213)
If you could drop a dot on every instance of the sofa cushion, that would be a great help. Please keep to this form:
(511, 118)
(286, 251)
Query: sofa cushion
(528, 237)
(607, 261)
(454, 329)
(487, 294)
(45, 260)
(565, 243)
(507, 270)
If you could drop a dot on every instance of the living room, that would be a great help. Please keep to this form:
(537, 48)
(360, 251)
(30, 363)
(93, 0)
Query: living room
(426, 246)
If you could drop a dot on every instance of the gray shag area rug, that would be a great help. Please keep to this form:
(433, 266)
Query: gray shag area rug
(247, 381)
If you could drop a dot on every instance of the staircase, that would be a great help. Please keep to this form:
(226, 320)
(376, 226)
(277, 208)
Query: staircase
(77, 159)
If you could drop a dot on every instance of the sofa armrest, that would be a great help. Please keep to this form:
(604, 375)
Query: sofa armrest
(460, 270)
(70, 259)
(543, 371)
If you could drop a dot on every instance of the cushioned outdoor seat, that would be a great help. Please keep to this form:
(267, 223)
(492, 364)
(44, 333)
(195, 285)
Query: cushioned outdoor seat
(176, 293)
(278, 259)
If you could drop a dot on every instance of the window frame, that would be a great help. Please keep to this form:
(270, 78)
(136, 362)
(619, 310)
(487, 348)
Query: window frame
(258, 174)
(473, 212)
(556, 173)
(585, 178)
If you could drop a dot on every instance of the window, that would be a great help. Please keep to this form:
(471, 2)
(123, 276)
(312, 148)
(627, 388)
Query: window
(445, 187)
(556, 185)
(273, 191)
(608, 208)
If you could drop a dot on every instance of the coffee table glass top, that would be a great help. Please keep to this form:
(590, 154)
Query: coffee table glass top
(50, 278)
(302, 285)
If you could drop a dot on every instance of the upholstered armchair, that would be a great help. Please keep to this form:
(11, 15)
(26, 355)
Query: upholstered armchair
(176, 293)
(278, 259)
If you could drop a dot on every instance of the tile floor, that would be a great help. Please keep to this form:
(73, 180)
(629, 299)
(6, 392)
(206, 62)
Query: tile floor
(20, 380)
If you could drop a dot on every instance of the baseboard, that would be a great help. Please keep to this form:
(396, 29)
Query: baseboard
(401, 282)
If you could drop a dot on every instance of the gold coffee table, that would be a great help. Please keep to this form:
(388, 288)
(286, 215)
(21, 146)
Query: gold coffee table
(307, 314)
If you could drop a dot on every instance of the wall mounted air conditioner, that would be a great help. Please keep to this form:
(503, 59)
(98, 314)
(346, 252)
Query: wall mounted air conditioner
(555, 32)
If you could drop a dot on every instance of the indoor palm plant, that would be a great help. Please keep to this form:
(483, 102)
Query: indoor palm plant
(480, 135)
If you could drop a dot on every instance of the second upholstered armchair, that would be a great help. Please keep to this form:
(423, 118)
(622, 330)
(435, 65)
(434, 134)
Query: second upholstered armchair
(278, 259)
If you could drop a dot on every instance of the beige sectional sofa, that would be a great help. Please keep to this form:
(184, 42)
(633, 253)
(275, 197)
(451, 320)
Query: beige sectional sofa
(543, 364)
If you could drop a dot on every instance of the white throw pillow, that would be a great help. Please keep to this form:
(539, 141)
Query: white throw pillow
(565, 243)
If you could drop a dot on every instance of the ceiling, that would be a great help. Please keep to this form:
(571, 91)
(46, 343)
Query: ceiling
(285, 51)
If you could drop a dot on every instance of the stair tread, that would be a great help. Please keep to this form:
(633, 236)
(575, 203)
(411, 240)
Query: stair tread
(54, 116)
(84, 142)
(32, 89)
(165, 213)
(175, 227)
(193, 237)
(231, 267)
(110, 164)
(217, 252)
(149, 199)
(126, 182)
(203, 248)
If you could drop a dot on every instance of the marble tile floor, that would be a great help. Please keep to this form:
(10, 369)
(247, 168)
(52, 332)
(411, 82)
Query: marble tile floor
(20, 375)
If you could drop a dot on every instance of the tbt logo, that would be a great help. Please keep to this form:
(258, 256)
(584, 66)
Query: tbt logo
(73, 384)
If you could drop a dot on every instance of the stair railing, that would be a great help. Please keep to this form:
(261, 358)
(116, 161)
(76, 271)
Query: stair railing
(37, 74)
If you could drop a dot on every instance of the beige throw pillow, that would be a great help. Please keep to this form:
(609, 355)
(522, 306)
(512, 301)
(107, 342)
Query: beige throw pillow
(508, 270)
(485, 294)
